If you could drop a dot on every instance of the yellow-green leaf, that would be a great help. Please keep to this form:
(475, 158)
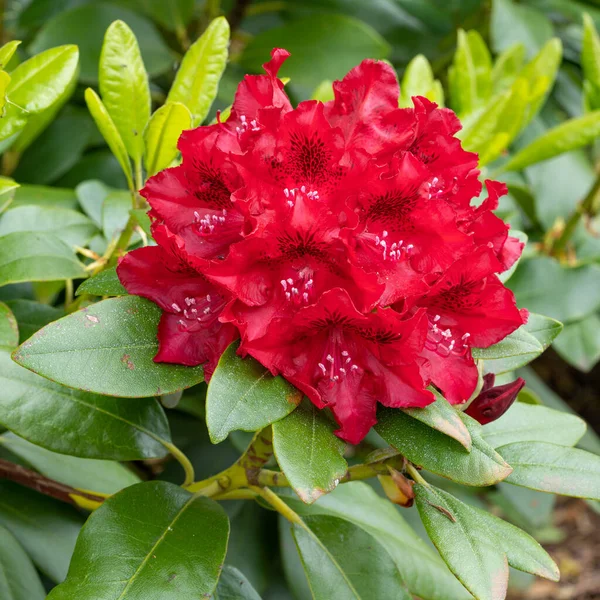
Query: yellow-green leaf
(590, 63)
(124, 86)
(7, 51)
(506, 67)
(197, 80)
(418, 80)
(162, 133)
(109, 131)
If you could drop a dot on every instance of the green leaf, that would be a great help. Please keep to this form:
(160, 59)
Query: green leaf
(507, 66)
(242, 394)
(234, 586)
(528, 423)
(115, 213)
(546, 287)
(309, 40)
(477, 546)
(85, 25)
(522, 237)
(440, 415)
(103, 476)
(569, 135)
(107, 348)
(18, 577)
(70, 226)
(36, 256)
(424, 572)
(344, 562)
(579, 344)
(7, 51)
(418, 80)
(109, 132)
(590, 57)
(32, 316)
(197, 79)
(13, 121)
(142, 219)
(124, 86)
(46, 528)
(162, 133)
(550, 468)
(469, 77)
(540, 74)
(520, 347)
(41, 195)
(8, 188)
(441, 454)
(323, 93)
(174, 15)
(79, 423)
(106, 283)
(9, 330)
(174, 544)
(90, 196)
(308, 452)
(39, 82)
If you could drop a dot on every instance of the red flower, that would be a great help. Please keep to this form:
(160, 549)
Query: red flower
(493, 401)
(347, 360)
(189, 332)
(338, 240)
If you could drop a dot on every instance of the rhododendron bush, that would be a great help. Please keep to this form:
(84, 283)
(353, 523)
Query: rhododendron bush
(295, 321)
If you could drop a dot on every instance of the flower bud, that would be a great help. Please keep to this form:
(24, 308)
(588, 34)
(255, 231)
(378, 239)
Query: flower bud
(397, 488)
(494, 401)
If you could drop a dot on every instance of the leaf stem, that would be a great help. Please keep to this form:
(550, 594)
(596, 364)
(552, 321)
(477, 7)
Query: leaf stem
(589, 206)
(412, 471)
(184, 461)
(279, 505)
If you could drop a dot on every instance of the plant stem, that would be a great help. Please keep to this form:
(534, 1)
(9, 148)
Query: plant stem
(46, 486)
(68, 294)
(184, 461)
(587, 207)
(412, 471)
(279, 505)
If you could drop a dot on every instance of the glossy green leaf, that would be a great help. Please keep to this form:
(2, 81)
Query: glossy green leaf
(440, 415)
(520, 347)
(323, 93)
(80, 423)
(109, 131)
(344, 562)
(7, 51)
(551, 468)
(107, 348)
(124, 86)
(106, 283)
(529, 423)
(14, 119)
(507, 66)
(18, 577)
(162, 133)
(590, 62)
(84, 25)
(103, 476)
(234, 586)
(424, 572)
(546, 287)
(418, 80)
(38, 82)
(90, 195)
(477, 546)
(469, 77)
(308, 452)
(32, 316)
(4, 83)
(153, 540)
(36, 256)
(46, 528)
(197, 79)
(8, 189)
(569, 135)
(242, 394)
(70, 226)
(441, 454)
(142, 219)
(9, 330)
(41, 195)
(115, 213)
(309, 40)
(579, 343)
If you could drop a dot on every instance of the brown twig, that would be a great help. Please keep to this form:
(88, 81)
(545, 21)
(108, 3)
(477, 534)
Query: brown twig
(43, 485)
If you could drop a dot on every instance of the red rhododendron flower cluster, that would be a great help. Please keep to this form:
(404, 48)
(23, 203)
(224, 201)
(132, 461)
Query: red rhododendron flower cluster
(337, 240)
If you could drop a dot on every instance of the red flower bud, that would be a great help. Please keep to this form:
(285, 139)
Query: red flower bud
(493, 402)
